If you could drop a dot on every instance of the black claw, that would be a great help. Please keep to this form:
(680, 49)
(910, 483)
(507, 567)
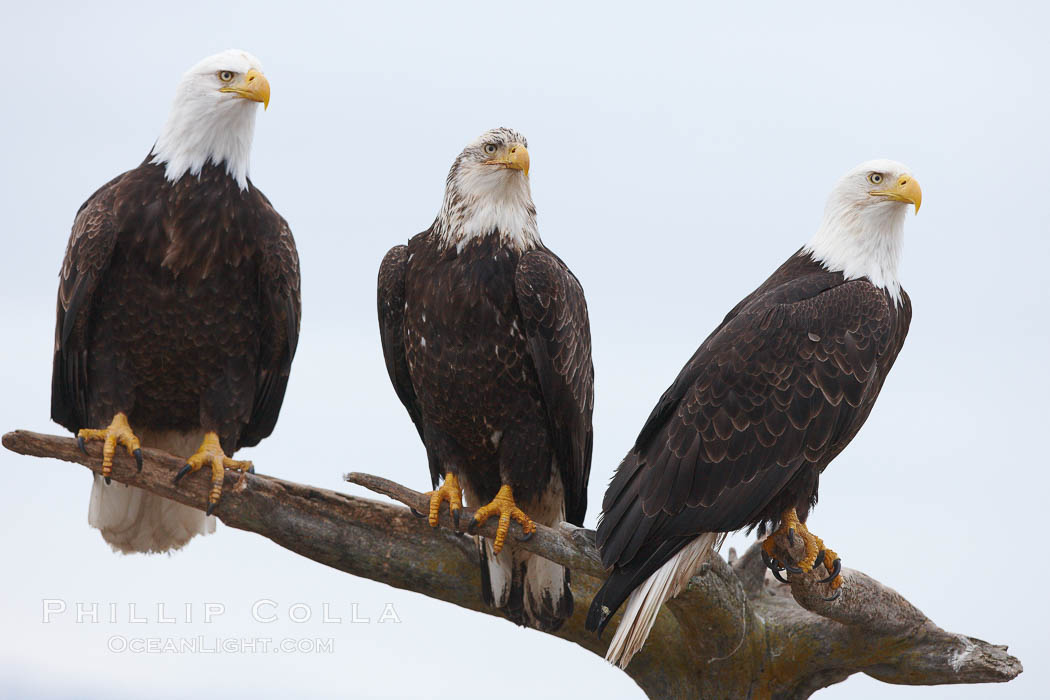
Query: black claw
(416, 512)
(836, 567)
(107, 480)
(472, 527)
(819, 560)
(455, 516)
(771, 563)
(791, 537)
(526, 536)
(774, 566)
(792, 569)
(81, 445)
(211, 509)
(251, 469)
(835, 595)
(182, 472)
(138, 458)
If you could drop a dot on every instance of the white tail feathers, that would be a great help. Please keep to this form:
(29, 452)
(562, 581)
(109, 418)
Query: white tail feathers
(547, 599)
(500, 571)
(644, 604)
(132, 520)
(531, 590)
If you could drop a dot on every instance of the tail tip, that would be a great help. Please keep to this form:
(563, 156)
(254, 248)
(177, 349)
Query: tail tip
(598, 616)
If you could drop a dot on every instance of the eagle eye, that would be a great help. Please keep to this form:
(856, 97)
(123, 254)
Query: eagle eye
(490, 148)
(874, 178)
(226, 75)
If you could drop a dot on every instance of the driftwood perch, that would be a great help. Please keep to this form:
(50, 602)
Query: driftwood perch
(735, 632)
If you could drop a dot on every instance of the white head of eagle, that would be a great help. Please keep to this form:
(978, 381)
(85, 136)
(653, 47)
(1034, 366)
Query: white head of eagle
(487, 192)
(212, 119)
(861, 233)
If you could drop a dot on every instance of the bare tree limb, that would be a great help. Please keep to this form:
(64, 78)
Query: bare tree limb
(735, 632)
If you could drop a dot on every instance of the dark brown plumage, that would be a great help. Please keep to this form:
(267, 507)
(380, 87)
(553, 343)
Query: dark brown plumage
(489, 351)
(492, 341)
(767, 401)
(178, 305)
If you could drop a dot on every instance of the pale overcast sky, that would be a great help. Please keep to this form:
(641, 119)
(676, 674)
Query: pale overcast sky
(680, 152)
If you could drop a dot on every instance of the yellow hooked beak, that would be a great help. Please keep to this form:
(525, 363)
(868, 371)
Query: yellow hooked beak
(517, 158)
(254, 87)
(906, 190)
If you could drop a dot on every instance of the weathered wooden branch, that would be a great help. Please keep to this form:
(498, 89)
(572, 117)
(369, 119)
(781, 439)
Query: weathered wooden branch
(735, 632)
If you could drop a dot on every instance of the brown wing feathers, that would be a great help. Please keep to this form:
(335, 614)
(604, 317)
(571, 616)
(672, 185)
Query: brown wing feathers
(87, 256)
(554, 310)
(209, 222)
(279, 287)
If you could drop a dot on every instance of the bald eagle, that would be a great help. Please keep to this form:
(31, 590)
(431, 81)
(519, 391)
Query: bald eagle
(487, 342)
(178, 307)
(768, 400)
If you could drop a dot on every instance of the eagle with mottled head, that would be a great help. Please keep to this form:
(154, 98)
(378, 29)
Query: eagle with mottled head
(487, 342)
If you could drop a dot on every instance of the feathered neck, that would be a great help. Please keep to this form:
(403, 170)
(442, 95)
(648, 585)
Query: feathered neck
(202, 130)
(481, 202)
(861, 241)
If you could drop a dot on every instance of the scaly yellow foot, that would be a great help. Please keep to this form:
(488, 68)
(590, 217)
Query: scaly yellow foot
(816, 553)
(448, 491)
(210, 452)
(503, 505)
(118, 432)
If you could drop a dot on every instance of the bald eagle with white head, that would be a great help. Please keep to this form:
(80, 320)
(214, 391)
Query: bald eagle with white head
(178, 307)
(487, 342)
(769, 399)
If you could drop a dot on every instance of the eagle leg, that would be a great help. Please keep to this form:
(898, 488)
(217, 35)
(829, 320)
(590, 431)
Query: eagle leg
(210, 453)
(816, 554)
(791, 527)
(118, 432)
(448, 491)
(504, 506)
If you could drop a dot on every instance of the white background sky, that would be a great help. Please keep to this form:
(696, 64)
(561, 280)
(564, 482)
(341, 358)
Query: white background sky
(679, 154)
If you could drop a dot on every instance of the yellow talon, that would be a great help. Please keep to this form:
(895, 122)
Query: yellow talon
(503, 505)
(814, 546)
(118, 432)
(449, 491)
(210, 453)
